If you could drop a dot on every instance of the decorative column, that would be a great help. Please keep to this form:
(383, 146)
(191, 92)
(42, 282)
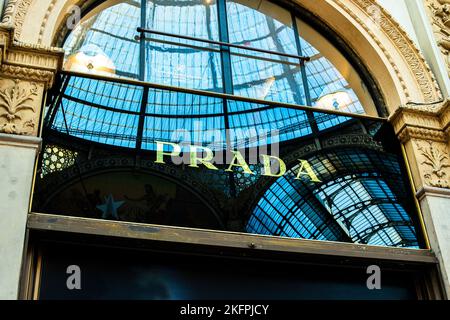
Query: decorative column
(26, 72)
(424, 131)
(439, 13)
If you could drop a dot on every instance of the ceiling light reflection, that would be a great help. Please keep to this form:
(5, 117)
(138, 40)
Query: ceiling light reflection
(90, 59)
(340, 100)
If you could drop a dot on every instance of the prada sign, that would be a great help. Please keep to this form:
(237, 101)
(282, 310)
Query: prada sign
(198, 156)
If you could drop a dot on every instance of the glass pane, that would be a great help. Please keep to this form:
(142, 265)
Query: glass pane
(333, 83)
(221, 163)
(362, 206)
(103, 43)
(100, 111)
(257, 120)
(264, 25)
(325, 121)
(181, 62)
(337, 179)
(194, 18)
(260, 24)
(276, 79)
(183, 118)
(171, 63)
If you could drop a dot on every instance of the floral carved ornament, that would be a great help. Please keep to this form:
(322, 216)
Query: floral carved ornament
(440, 16)
(436, 161)
(18, 108)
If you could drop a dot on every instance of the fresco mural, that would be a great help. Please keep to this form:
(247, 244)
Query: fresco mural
(134, 197)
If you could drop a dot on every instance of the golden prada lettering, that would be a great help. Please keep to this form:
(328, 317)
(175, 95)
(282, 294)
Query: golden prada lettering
(202, 156)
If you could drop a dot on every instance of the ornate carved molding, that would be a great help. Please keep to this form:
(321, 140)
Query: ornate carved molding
(45, 20)
(25, 72)
(420, 133)
(15, 13)
(439, 13)
(424, 129)
(27, 61)
(444, 115)
(420, 121)
(419, 67)
(434, 159)
(19, 107)
(9, 12)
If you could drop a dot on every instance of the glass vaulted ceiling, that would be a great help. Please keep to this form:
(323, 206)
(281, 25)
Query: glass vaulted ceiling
(365, 205)
(362, 199)
(105, 43)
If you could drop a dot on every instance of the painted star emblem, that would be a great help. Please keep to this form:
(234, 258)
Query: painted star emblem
(109, 208)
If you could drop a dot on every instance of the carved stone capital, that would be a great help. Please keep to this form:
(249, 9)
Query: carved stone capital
(445, 118)
(27, 61)
(26, 71)
(423, 130)
(421, 122)
(439, 14)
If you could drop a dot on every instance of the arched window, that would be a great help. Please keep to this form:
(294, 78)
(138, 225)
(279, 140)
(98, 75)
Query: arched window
(292, 64)
(105, 42)
(231, 75)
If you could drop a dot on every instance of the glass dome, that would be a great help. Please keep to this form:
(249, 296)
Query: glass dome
(105, 43)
